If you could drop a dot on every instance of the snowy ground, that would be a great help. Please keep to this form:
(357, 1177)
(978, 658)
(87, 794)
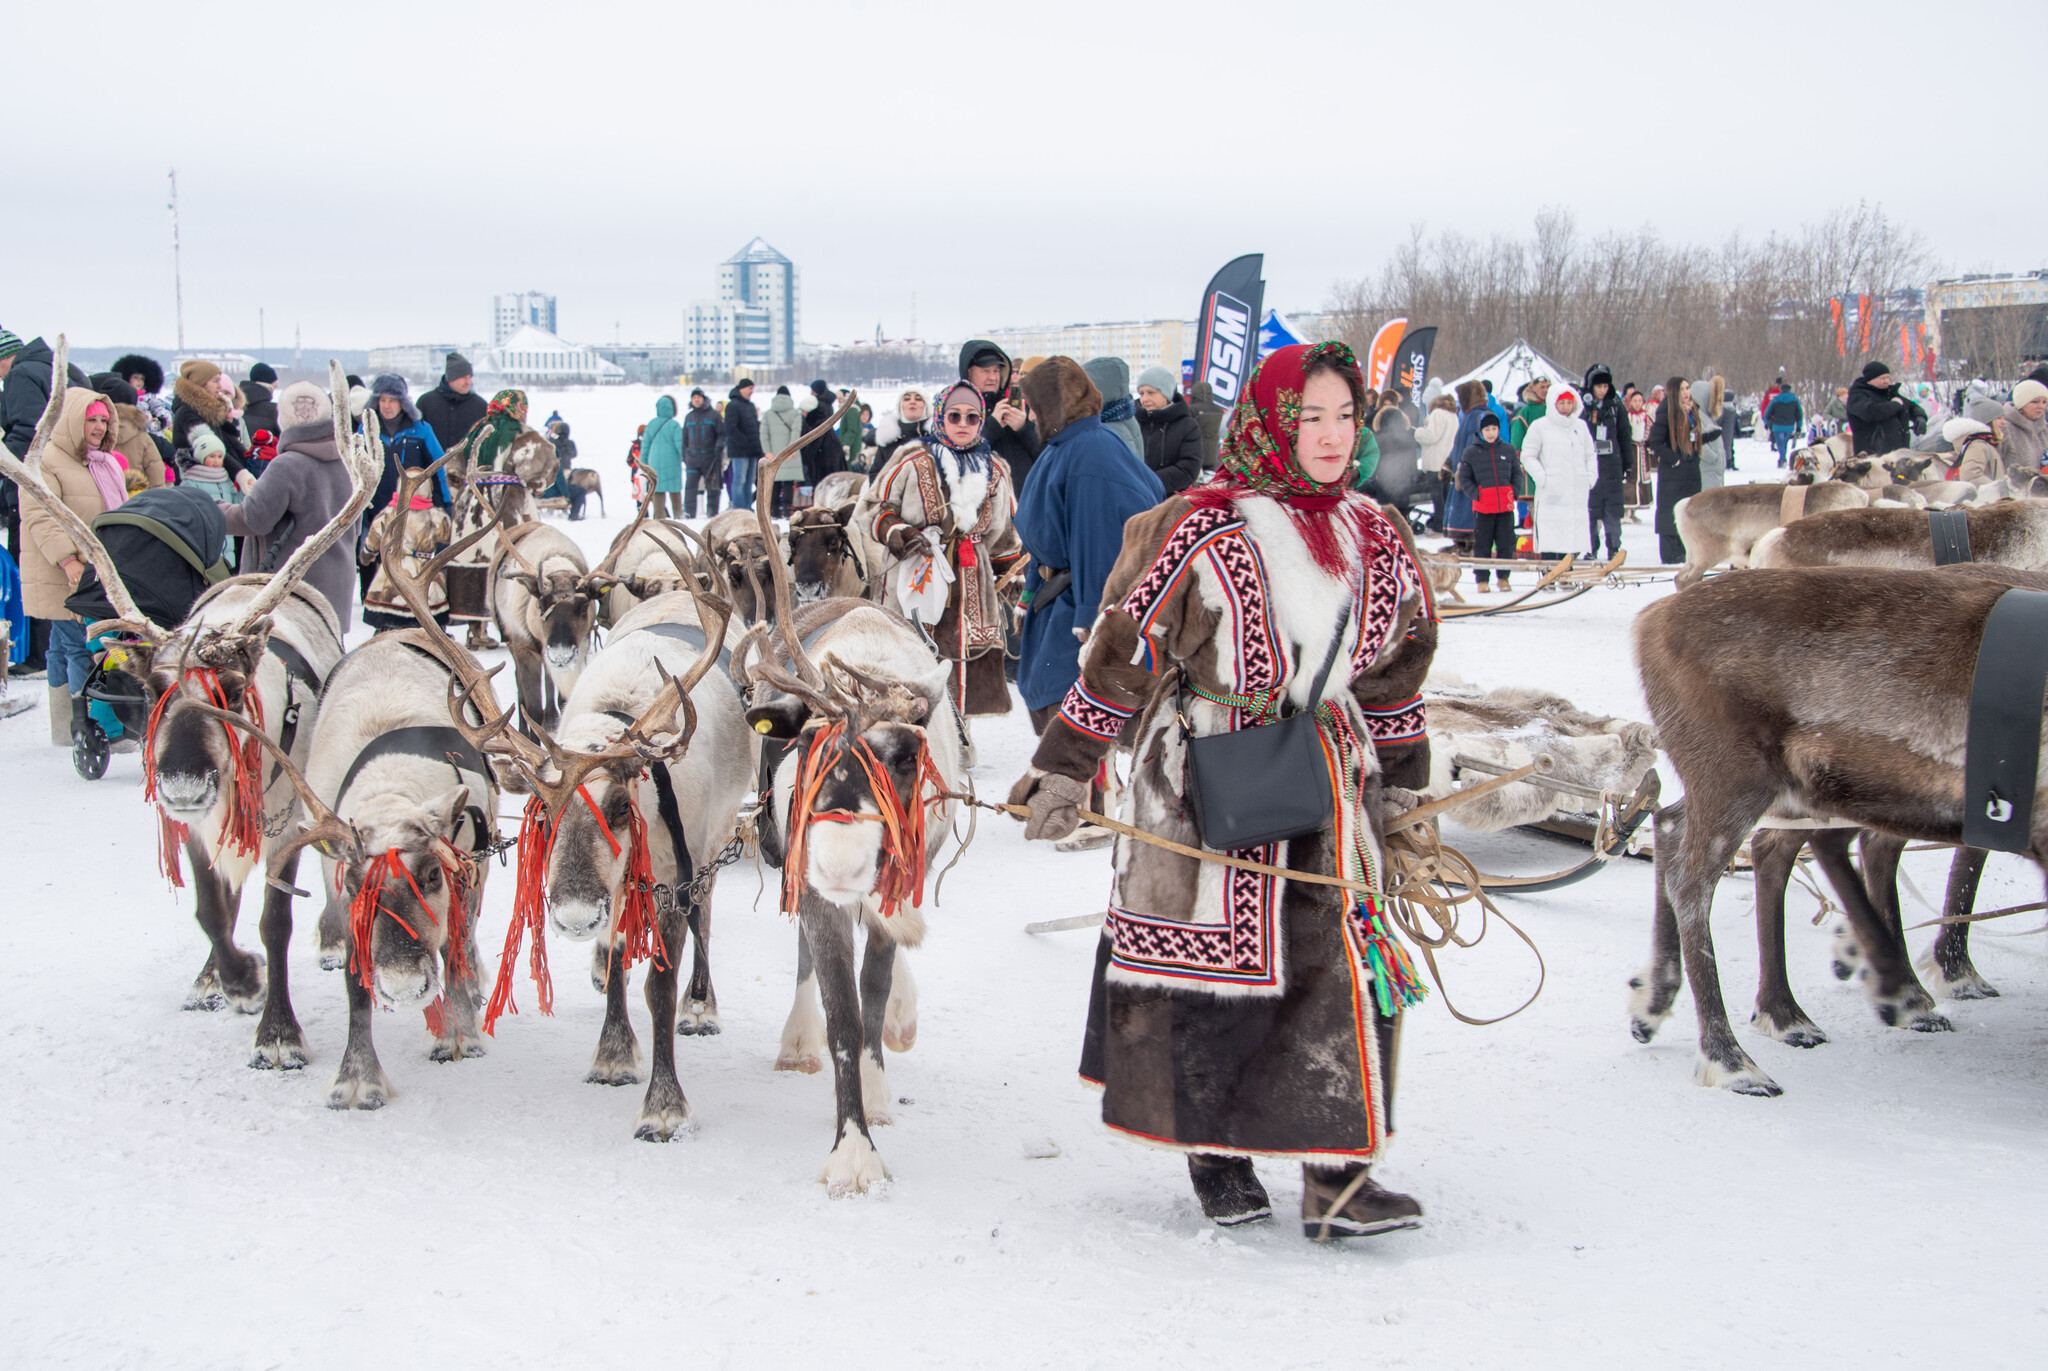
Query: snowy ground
(1588, 1205)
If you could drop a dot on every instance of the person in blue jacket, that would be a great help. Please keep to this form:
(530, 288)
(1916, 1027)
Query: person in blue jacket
(1085, 483)
(408, 441)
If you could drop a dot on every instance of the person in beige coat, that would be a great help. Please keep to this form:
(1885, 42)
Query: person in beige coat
(83, 469)
(1978, 459)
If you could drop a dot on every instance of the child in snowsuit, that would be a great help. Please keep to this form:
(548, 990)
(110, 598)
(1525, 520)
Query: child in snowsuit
(1489, 472)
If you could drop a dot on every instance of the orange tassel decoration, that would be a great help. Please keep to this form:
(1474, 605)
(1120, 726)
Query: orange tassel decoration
(368, 904)
(529, 908)
(900, 873)
(242, 833)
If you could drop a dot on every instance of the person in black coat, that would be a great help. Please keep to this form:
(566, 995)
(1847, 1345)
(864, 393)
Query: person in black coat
(824, 454)
(1013, 434)
(1675, 442)
(1880, 419)
(565, 462)
(259, 402)
(700, 454)
(1615, 447)
(1173, 436)
(1489, 472)
(452, 408)
(740, 430)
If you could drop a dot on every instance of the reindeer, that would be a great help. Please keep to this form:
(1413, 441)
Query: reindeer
(741, 551)
(586, 479)
(839, 488)
(261, 648)
(652, 557)
(1725, 523)
(822, 559)
(544, 597)
(2010, 533)
(1758, 688)
(860, 803)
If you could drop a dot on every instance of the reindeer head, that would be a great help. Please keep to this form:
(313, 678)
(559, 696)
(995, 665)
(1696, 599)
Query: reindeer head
(191, 754)
(561, 607)
(818, 548)
(1865, 473)
(1907, 470)
(596, 844)
(744, 567)
(404, 885)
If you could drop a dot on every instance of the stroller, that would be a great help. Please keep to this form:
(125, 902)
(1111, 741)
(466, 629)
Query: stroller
(159, 541)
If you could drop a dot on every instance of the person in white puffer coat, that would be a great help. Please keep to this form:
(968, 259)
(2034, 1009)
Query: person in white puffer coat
(1559, 456)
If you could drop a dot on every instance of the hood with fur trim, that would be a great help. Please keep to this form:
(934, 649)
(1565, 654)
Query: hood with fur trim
(1059, 392)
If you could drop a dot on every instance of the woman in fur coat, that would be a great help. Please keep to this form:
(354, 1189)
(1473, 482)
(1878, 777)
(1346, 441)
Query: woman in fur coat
(1559, 455)
(1236, 1015)
(948, 497)
(1717, 430)
(197, 398)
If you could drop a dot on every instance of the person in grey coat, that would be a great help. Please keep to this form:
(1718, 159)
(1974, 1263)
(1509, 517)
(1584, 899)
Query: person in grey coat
(303, 487)
(1112, 376)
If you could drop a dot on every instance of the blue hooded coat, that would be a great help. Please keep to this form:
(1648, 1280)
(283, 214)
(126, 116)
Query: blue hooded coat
(661, 447)
(1084, 485)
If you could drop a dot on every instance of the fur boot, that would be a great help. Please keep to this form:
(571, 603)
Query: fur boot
(1229, 1189)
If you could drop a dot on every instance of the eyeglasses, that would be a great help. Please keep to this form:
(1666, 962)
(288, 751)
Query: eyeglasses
(963, 416)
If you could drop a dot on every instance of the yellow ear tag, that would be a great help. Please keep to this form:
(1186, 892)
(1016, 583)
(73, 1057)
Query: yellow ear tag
(763, 726)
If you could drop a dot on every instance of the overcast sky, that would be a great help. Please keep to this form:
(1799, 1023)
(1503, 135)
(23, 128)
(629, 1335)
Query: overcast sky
(375, 179)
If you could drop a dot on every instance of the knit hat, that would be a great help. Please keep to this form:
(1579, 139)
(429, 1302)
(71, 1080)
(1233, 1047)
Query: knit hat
(779, 390)
(9, 344)
(456, 367)
(1984, 410)
(1489, 420)
(1873, 370)
(206, 443)
(822, 391)
(302, 403)
(263, 374)
(1955, 430)
(2028, 391)
(1159, 378)
(199, 372)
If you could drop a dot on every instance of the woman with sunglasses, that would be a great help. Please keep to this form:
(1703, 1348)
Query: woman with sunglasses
(1235, 1015)
(947, 499)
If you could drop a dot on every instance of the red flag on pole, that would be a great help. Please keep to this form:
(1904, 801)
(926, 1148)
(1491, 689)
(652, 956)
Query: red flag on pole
(1863, 323)
(1841, 340)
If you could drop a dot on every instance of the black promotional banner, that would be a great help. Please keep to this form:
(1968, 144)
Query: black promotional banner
(1228, 337)
(1411, 360)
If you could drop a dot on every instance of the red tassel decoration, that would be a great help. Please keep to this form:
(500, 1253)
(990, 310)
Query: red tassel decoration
(529, 908)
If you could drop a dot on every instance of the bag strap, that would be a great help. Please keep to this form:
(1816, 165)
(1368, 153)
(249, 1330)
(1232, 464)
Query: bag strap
(1315, 693)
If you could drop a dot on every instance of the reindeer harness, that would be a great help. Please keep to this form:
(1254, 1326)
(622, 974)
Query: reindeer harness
(1950, 529)
(2001, 766)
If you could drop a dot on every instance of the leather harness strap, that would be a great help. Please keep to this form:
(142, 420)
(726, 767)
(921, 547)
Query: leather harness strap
(2001, 766)
(438, 741)
(1950, 529)
(1792, 504)
(296, 667)
(692, 637)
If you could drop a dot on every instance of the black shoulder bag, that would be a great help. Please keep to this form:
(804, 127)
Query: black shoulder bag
(1263, 784)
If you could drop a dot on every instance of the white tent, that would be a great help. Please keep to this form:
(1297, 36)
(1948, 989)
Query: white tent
(1514, 367)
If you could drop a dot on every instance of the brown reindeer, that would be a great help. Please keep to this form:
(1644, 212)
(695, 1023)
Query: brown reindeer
(1758, 686)
(1724, 524)
(2010, 533)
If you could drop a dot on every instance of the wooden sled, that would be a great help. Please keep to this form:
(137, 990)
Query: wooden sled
(1567, 581)
(1620, 817)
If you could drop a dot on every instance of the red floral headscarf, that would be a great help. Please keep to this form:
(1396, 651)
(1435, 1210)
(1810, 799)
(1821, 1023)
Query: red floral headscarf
(1258, 452)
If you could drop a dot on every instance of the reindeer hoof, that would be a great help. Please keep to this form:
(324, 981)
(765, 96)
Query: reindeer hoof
(206, 1000)
(1643, 1030)
(1964, 985)
(698, 1021)
(354, 1093)
(1798, 1031)
(664, 1124)
(612, 1073)
(279, 1056)
(854, 1167)
(1744, 1077)
(333, 958)
(454, 1051)
(899, 1037)
(807, 1062)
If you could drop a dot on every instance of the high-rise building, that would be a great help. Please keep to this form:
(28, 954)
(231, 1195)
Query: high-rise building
(719, 335)
(510, 313)
(759, 276)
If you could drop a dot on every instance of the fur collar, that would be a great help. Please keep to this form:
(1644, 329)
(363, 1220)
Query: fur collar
(201, 401)
(966, 491)
(1305, 600)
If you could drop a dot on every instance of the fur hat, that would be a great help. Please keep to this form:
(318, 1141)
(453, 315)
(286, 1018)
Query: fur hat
(263, 374)
(302, 403)
(1956, 430)
(2028, 391)
(1160, 379)
(396, 387)
(1873, 370)
(135, 364)
(456, 367)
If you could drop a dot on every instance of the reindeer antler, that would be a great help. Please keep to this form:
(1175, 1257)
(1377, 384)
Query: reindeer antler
(364, 460)
(327, 826)
(785, 597)
(27, 473)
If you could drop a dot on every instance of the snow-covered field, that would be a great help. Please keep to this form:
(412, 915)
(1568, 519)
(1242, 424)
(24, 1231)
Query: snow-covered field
(1588, 1205)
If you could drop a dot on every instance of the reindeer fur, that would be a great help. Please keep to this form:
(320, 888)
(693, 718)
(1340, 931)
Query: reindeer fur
(192, 760)
(1725, 524)
(2010, 533)
(1511, 727)
(546, 623)
(1760, 689)
(709, 778)
(403, 801)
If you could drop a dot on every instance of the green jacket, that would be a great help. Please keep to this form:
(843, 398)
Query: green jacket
(1367, 458)
(849, 438)
(1518, 430)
